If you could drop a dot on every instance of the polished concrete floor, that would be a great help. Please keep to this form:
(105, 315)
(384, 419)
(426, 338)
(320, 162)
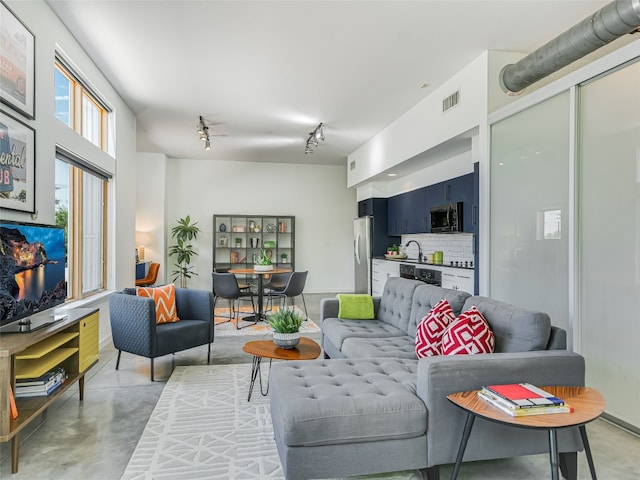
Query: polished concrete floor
(94, 439)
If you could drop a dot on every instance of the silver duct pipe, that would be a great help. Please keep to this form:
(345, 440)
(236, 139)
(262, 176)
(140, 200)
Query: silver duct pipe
(612, 21)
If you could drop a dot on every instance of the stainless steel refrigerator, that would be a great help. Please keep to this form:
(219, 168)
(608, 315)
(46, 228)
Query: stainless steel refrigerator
(362, 252)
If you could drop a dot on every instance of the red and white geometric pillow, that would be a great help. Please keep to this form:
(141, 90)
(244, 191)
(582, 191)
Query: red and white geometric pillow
(432, 327)
(469, 334)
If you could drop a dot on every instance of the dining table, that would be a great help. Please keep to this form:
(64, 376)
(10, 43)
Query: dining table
(261, 275)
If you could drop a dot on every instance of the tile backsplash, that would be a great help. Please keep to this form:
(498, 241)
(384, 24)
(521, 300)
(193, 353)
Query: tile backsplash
(456, 247)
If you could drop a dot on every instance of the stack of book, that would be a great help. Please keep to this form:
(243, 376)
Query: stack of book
(519, 399)
(44, 385)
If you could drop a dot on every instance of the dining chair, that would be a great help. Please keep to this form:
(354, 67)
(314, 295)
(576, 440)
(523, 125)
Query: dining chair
(151, 276)
(225, 285)
(293, 288)
(276, 283)
(241, 285)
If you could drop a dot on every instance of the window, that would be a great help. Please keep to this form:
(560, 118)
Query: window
(81, 210)
(64, 96)
(81, 187)
(79, 108)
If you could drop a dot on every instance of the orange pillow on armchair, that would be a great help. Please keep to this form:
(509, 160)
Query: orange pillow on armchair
(165, 299)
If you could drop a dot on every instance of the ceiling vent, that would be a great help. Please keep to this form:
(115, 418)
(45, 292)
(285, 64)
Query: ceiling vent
(451, 101)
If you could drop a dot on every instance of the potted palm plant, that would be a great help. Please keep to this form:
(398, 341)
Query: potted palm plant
(183, 233)
(286, 327)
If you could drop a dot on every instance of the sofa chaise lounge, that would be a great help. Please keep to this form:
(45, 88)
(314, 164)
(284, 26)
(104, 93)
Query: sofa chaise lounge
(375, 407)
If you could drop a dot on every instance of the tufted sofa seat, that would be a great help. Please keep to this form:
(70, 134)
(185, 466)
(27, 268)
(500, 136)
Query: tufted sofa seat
(373, 407)
(366, 406)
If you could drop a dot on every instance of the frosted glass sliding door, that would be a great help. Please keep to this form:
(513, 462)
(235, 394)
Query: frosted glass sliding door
(529, 209)
(608, 330)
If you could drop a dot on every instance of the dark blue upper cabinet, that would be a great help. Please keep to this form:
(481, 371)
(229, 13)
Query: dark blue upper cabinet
(459, 189)
(408, 213)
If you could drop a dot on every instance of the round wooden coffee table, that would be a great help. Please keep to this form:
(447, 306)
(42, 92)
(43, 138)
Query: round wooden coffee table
(588, 404)
(307, 349)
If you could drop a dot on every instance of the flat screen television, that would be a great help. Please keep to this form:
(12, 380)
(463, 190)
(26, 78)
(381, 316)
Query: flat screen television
(32, 270)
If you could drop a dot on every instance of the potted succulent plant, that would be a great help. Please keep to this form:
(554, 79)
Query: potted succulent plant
(262, 262)
(286, 327)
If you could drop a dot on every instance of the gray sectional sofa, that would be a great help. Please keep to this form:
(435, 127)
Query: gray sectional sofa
(373, 407)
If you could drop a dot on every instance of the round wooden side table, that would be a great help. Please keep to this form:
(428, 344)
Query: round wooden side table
(588, 404)
(307, 349)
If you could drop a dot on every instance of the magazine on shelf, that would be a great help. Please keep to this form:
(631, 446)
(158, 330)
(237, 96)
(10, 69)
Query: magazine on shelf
(35, 387)
(44, 379)
(524, 395)
(522, 412)
(40, 393)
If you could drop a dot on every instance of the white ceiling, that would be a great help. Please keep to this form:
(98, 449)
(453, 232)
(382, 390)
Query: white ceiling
(263, 74)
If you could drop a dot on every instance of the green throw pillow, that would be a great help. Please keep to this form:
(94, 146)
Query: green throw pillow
(355, 306)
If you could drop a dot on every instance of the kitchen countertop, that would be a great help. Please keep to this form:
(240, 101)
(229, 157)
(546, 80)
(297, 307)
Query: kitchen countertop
(414, 261)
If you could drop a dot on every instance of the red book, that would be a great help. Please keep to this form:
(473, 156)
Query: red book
(525, 395)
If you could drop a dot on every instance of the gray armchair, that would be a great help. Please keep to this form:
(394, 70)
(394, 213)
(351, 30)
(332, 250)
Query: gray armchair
(134, 329)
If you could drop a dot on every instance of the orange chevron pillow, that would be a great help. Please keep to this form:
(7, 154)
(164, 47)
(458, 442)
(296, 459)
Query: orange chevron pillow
(165, 299)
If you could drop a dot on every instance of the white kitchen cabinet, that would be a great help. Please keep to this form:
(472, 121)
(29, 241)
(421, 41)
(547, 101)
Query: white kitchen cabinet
(456, 279)
(381, 271)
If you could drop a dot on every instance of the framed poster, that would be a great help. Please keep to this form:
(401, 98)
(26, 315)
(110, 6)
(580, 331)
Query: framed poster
(17, 57)
(17, 165)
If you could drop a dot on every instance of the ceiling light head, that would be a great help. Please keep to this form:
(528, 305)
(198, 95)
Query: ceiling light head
(207, 145)
(314, 136)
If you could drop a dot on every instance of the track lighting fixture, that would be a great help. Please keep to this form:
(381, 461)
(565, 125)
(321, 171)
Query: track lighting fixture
(203, 131)
(312, 141)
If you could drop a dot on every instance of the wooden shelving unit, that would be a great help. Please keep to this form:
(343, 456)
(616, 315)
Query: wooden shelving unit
(71, 343)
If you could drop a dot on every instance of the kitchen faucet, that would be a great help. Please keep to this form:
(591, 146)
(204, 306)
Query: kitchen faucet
(419, 249)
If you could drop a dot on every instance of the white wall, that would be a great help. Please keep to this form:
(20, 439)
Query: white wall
(316, 195)
(51, 34)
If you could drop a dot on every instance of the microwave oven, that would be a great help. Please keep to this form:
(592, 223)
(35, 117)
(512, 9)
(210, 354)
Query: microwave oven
(446, 218)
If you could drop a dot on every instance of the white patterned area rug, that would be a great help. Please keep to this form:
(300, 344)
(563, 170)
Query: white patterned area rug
(226, 328)
(203, 428)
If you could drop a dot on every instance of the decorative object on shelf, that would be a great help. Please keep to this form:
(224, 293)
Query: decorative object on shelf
(238, 241)
(271, 228)
(223, 241)
(312, 141)
(183, 233)
(283, 258)
(269, 244)
(252, 226)
(17, 169)
(223, 227)
(262, 262)
(286, 327)
(282, 227)
(17, 78)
